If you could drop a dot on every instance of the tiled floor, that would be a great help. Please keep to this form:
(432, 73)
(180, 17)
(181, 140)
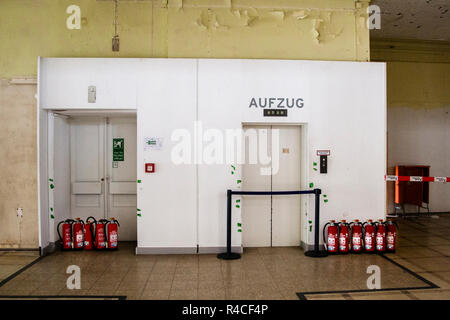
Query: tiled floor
(12, 261)
(262, 273)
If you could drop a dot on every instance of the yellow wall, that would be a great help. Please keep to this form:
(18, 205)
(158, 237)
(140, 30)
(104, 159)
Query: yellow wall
(287, 29)
(418, 84)
(272, 29)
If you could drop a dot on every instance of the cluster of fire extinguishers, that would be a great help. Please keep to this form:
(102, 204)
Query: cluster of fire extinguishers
(357, 237)
(99, 235)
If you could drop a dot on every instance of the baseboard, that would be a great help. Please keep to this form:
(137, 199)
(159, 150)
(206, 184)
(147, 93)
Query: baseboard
(215, 250)
(51, 247)
(166, 250)
(185, 250)
(19, 249)
(310, 247)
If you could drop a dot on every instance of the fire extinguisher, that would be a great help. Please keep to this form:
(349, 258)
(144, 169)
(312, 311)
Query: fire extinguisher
(330, 236)
(100, 235)
(344, 237)
(89, 233)
(66, 238)
(380, 236)
(369, 236)
(78, 234)
(391, 236)
(357, 236)
(112, 234)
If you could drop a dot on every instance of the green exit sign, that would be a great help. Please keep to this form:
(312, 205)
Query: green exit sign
(118, 149)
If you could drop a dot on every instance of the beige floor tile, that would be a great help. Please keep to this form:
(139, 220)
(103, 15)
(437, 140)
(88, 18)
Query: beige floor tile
(184, 285)
(432, 294)
(211, 284)
(185, 294)
(414, 252)
(433, 264)
(211, 294)
(158, 285)
(380, 296)
(445, 250)
(326, 297)
(155, 294)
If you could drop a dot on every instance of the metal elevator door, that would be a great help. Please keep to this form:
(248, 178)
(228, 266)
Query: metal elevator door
(272, 220)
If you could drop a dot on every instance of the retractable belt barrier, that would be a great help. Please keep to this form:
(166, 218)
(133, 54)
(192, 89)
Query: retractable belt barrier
(417, 179)
(228, 255)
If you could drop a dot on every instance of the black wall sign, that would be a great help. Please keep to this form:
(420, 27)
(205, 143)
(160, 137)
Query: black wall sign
(275, 113)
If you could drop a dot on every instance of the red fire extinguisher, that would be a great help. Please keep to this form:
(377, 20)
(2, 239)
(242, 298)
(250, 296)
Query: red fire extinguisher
(112, 234)
(344, 237)
(66, 238)
(380, 236)
(391, 236)
(78, 234)
(357, 236)
(89, 233)
(330, 236)
(369, 236)
(100, 235)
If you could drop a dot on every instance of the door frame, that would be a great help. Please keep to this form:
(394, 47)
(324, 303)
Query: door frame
(45, 165)
(304, 172)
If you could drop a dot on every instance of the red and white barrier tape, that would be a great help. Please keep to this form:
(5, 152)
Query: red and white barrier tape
(417, 179)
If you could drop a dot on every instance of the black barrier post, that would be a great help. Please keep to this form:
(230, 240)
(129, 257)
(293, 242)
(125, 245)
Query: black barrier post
(228, 255)
(316, 253)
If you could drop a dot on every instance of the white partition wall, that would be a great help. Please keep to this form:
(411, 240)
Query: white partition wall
(181, 207)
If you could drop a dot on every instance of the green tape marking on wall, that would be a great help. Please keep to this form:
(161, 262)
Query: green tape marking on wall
(52, 186)
(238, 206)
(309, 221)
(326, 200)
(139, 181)
(324, 195)
(239, 230)
(50, 180)
(238, 200)
(239, 181)
(234, 168)
(310, 228)
(138, 209)
(51, 209)
(315, 169)
(314, 163)
(52, 216)
(232, 172)
(239, 224)
(311, 185)
(139, 215)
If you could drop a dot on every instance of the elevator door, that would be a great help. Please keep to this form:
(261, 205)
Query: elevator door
(273, 220)
(103, 182)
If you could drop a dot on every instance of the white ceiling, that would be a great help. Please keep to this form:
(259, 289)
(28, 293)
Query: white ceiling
(413, 19)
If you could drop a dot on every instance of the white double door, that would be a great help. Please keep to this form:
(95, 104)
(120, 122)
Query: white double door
(100, 186)
(273, 220)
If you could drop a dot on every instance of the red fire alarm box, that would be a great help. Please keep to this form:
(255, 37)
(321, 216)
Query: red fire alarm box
(149, 167)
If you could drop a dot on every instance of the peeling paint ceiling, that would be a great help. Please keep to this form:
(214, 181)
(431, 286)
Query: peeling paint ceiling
(413, 19)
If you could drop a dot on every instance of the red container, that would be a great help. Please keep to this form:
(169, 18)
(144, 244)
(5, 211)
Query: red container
(369, 236)
(357, 236)
(344, 237)
(330, 235)
(112, 232)
(391, 236)
(89, 233)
